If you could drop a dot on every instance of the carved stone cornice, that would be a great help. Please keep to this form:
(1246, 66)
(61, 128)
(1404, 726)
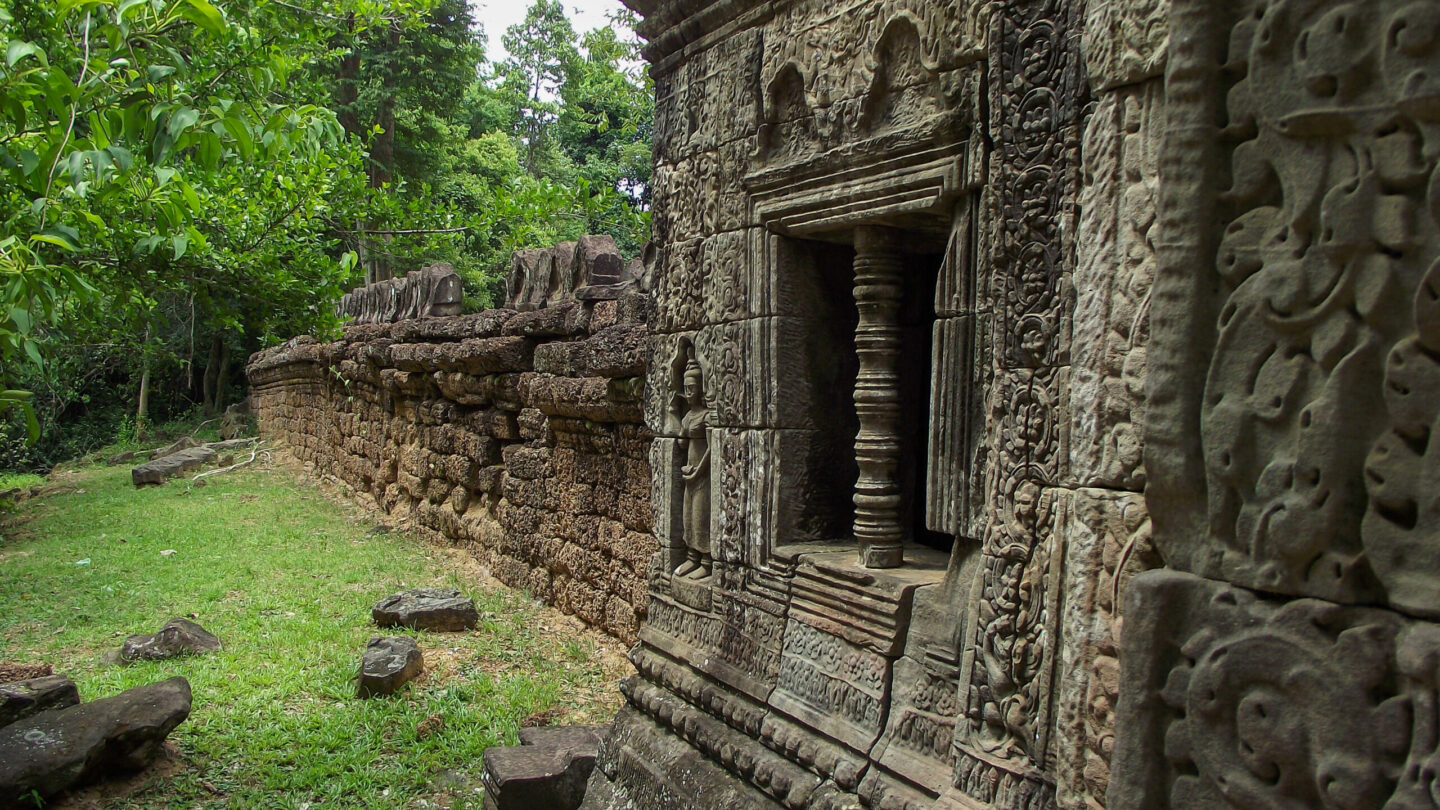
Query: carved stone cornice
(890, 178)
(670, 25)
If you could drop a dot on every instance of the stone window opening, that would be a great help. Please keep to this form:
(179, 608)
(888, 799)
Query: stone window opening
(873, 485)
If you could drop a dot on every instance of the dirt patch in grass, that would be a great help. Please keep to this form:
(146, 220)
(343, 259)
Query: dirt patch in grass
(9, 673)
(123, 788)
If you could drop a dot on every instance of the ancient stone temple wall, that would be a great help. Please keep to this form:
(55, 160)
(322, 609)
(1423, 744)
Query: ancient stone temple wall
(516, 435)
(1287, 655)
(909, 247)
(941, 524)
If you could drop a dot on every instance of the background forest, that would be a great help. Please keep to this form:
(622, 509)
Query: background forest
(183, 182)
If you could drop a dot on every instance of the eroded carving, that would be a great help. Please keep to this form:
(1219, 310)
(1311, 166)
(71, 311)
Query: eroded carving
(1271, 703)
(430, 292)
(1319, 247)
(589, 268)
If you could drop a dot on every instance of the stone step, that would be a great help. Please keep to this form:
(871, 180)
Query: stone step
(548, 769)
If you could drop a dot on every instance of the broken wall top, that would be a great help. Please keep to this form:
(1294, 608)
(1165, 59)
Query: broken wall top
(590, 268)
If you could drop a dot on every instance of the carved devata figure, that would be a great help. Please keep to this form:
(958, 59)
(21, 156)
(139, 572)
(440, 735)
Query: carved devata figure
(690, 403)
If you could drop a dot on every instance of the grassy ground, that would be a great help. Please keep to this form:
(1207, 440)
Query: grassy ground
(286, 578)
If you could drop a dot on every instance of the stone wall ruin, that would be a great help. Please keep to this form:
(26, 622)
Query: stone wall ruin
(1041, 394)
(517, 435)
(433, 291)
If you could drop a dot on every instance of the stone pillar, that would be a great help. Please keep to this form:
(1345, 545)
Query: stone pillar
(878, 289)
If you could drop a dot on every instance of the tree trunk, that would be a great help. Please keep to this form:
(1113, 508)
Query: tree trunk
(347, 96)
(346, 92)
(212, 369)
(222, 377)
(142, 409)
(382, 166)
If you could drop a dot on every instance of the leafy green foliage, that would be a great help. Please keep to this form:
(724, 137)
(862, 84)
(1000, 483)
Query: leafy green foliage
(183, 182)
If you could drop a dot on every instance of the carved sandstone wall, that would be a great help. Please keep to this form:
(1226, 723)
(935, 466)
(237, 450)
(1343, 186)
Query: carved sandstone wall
(516, 435)
(911, 246)
(963, 613)
(1287, 655)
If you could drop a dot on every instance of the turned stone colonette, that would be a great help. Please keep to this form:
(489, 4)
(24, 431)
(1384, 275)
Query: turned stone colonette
(1041, 395)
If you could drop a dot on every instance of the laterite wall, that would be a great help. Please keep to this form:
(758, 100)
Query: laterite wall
(516, 435)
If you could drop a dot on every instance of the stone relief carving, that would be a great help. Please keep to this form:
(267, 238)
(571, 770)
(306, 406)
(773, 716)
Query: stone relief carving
(430, 292)
(1034, 112)
(590, 268)
(1266, 703)
(690, 403)
(1002, 745)
(1009, 656)
(1324, 236)
(1107, 543)
(1286, 442)
(1114, 273)
(1125, 41)
(881, 67)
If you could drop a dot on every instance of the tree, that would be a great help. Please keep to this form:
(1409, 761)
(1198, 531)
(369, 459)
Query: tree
(607, 120)
(395, 87)
(181, 184)
(125, 127)
(542, 53)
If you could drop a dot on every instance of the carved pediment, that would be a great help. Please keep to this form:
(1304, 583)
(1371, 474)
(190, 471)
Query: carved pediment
(878, 123)
(822, 100)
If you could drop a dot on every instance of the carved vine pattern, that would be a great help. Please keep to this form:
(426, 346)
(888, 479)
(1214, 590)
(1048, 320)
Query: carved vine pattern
(1035, 100)
(1336, 196)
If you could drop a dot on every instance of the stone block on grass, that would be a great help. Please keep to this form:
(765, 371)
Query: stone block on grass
(178, 637)
(388, 664)
(437, 609)
(548, 769)
(158, 470)
(22, 699)
(59, 749)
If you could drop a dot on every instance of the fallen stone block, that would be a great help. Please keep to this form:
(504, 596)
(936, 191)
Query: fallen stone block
(182, 443)
(156, 471)
(231, 444)
(178, 637)
(388, 664)
(58, 749)
(438, 609)
(548, 769)
(121, 458)
(21, 699)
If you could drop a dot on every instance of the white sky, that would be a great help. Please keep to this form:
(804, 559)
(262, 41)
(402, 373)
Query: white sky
(497, 15)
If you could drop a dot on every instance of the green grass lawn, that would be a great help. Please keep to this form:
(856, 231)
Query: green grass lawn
(286, 578)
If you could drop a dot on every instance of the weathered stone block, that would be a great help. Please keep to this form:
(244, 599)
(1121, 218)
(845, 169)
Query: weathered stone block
(58, 749)
(434, 609)
(387, 665)
(177, 463)
(547, 322)
(20, 699)
(618, 351)
(178, 637)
